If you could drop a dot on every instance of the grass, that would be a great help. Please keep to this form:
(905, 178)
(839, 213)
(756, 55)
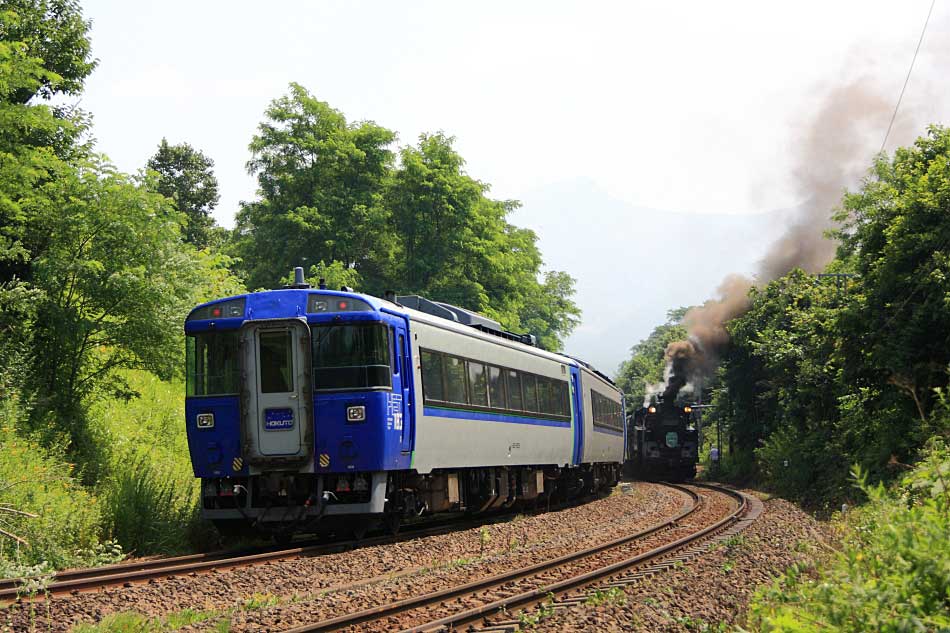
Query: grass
(614, 595)
(135, 622)
(142, 498)
(149, 489)
(50, 520)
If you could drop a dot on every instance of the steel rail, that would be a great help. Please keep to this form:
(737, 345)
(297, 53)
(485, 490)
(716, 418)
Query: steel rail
(539, 595)
(409, 604)
(124, 574)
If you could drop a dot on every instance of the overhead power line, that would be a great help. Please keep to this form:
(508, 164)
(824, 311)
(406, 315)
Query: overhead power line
(907, 78)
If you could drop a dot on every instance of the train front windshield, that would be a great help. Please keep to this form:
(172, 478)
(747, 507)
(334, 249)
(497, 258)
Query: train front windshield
(351, 356)
(213, 366)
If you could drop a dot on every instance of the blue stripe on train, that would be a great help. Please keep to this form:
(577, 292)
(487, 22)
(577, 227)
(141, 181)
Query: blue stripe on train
(491, 417)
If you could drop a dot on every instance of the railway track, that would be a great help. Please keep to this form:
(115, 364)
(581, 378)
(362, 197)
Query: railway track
(126, 574)
(522, 588)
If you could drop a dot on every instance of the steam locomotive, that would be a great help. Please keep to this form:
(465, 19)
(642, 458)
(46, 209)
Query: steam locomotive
(663, 441)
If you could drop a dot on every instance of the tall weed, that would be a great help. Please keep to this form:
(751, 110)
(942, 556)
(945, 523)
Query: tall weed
(65, 527)
(149, 491)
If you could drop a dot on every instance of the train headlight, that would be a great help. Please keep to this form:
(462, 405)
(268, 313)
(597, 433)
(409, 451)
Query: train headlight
(205, 421)
(356, 414)
(651, 410)
(687, 409)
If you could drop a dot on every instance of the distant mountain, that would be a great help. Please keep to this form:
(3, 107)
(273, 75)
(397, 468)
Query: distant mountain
(632, 264)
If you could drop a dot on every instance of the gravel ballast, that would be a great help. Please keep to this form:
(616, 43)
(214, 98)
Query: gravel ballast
(269, 597)
(710, 592)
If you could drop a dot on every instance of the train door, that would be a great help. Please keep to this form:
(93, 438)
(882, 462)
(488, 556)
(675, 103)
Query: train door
(276, 378)
(402, 389)
(577, 409)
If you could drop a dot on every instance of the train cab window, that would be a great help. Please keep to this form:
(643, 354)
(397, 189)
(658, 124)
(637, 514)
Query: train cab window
(213, 365)
(477, 384)
(496, 388)
(432, 376)
(454, 379)
(276, 361)
(352, 356)
(515, 401)
(530, 383)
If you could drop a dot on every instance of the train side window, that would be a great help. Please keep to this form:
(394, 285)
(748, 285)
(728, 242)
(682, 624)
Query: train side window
(530, 383)
(496, 388)
(432, 386)
(477, 384)
(561, 395)
(545, 404)
(515, 401)
(455, 380)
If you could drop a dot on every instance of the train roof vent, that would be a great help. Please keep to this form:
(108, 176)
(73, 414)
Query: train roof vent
(464, 317)
(467, 317)
(415, 302)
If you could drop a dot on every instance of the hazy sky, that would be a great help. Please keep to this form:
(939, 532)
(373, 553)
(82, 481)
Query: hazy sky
(617, 108)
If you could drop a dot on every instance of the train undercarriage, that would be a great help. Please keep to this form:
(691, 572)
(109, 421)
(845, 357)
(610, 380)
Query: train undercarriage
(283, 504)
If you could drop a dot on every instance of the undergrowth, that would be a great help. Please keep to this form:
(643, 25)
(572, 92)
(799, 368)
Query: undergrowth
(48, 519)
(149, 492)
(892, 573)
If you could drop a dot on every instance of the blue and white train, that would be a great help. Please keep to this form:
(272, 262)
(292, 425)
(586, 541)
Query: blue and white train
(306, 405)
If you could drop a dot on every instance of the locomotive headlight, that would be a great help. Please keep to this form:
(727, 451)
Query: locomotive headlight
(687, 409)
(205, 421)
(356, 414)
(651, 410)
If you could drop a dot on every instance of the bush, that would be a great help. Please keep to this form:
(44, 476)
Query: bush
(893, 570)
(66, 528)
(149, 490)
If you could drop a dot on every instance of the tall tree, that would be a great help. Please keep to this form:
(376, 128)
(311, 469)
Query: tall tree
(896, 232)
(186, 176)
(54, 32)
(320, 182)
(455, 244)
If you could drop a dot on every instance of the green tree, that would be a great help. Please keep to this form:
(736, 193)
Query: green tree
(434, 206)
(549, 311)
(186, 176)
(54, 33)
(455, 244)
(896, 231)
(320, 183)
(116, 283)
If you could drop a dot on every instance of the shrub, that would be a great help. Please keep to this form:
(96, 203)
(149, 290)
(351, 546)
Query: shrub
(38, 481)
(893, 570)
(149, 492)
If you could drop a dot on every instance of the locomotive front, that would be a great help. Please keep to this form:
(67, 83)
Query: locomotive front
(667, 442)
(296, 406)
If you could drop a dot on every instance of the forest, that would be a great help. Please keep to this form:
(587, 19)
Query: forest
(99, 268)
(826, 372)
